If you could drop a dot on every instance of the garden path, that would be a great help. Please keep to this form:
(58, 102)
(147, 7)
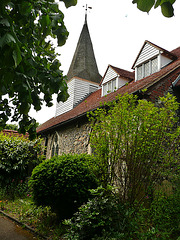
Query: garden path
(11, 231)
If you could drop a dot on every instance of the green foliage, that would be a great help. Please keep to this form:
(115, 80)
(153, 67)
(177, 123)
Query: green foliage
(105, 218)
(165, 213)
(41, 219)
(135, 144)
(11, 127)
(28, 60)
(14, 190)
(18, 156)
(102, 215)
(166, 6)
(63, 183)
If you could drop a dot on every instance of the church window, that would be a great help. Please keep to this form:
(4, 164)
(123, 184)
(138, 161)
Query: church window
(52, 151)
(54, 146)
(57, 149)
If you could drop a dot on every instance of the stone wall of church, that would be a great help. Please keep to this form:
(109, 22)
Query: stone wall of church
(73, 138)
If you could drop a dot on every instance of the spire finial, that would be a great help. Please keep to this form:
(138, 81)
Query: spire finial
(86, 8)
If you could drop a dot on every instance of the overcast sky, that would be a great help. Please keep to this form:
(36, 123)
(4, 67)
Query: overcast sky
(118, 30)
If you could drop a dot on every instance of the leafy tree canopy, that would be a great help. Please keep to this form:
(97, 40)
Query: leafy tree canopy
(11, 127)
(29, 70)
(166, 6)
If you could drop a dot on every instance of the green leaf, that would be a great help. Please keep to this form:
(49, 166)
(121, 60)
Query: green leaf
(25, 8)
(5, 22)
(32, 72)
(17, 57)
(143, 5)
(170, 1)
(24, 108)
(6, 38)
(61, 34)
(158, 2)
(54, 7)
(62, 97)
(57, 17)
(167, 9)
(45, 20)
(69, 3)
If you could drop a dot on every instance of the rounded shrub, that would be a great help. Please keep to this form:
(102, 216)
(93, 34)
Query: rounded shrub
(63, 183)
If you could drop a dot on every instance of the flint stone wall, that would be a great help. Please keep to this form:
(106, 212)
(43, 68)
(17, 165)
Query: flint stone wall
(73, 138)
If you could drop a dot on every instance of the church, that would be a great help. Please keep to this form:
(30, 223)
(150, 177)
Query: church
(154, 69)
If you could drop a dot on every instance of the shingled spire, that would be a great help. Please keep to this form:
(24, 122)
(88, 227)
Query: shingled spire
(84, 64)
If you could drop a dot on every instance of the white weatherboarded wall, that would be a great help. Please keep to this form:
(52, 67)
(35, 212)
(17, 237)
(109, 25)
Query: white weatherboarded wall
(78, 89)
(110, 74)
(147, 53)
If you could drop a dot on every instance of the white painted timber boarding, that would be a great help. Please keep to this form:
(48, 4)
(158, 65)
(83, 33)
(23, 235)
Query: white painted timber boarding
(110, 74)
(165, 61)
(122, 82)
(82, 89)
(147, 53)
(78, 89)
(68, 105)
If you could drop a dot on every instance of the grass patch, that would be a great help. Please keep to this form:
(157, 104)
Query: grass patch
(41, 219)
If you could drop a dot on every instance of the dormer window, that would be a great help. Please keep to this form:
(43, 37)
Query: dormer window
(147, 68)
(109, 87)
(151, 59)
(115, 78)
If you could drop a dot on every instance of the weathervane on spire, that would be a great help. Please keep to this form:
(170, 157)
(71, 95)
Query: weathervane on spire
(86, 8)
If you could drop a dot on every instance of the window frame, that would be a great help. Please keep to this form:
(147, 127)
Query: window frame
(108, 86)
(143, 66)
(55, 145)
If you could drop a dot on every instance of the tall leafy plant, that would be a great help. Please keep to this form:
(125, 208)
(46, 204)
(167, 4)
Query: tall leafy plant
(135, 144)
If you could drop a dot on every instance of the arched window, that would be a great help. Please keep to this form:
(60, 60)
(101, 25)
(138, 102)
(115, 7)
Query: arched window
(55, 145)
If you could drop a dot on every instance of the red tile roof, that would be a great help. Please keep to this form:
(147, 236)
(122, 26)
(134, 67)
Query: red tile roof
(14, 133)
(94, 100)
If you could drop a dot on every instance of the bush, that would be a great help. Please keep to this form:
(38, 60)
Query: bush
(63, 183)
(18, 156)
(165, 212)
(102, 217)
(105, 218)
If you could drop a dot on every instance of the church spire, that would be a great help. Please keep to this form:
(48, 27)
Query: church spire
(84, 64)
